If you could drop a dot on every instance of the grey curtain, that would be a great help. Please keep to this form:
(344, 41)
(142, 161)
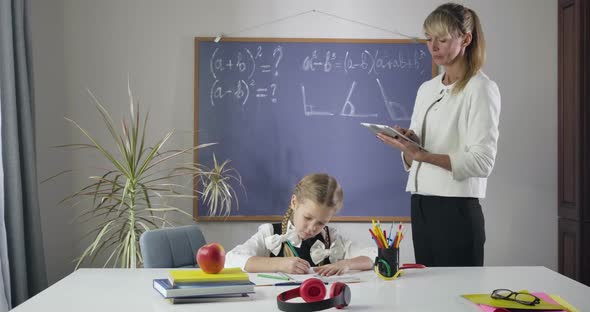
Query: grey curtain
(26, 259)
(4, 272)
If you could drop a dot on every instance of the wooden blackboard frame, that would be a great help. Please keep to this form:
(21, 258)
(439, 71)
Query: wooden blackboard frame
(274, 218)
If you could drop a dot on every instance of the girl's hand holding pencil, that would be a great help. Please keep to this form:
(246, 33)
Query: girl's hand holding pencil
(294, 265)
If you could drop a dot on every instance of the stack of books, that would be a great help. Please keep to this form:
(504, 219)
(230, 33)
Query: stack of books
(194, 285)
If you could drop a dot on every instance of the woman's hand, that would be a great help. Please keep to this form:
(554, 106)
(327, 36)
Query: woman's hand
(411, 152)
(293, 265)
(337, 268)
(409, 133)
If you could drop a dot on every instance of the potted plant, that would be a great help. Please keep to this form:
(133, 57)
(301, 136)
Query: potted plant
(134, 194)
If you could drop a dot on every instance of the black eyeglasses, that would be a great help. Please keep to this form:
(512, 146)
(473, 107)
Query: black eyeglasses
(520, 297)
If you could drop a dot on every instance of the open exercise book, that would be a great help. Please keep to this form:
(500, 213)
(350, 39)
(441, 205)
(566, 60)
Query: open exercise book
(299, 278)
(344, 278)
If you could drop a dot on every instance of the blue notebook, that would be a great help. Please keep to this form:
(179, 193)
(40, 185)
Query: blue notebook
(164, 287)
(212, 298)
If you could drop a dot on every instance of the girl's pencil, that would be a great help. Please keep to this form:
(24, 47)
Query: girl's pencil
(292, 249)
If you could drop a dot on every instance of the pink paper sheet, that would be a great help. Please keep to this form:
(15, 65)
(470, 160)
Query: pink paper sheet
(544, 296)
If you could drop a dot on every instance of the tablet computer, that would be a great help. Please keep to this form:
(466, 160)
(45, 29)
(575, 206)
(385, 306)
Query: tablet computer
(387, 130)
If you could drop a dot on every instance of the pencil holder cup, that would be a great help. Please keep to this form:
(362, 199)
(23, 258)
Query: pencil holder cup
(387, 261)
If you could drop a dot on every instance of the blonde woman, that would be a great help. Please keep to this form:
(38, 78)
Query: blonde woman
(303, 239)
(455, 119)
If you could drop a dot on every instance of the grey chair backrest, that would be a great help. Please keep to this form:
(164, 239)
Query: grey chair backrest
(171, 247)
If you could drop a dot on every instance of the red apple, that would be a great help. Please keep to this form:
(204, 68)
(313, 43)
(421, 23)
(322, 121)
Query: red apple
(211, 258)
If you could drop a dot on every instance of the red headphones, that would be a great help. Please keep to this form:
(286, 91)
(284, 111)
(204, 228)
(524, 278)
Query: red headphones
(313, 292)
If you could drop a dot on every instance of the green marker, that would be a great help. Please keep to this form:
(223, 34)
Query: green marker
(273, 276)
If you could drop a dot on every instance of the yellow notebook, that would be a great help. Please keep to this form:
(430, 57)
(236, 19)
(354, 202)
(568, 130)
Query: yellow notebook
(198, 276)
(564, 303)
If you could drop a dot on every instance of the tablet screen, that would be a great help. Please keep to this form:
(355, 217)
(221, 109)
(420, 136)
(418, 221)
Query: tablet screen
(377, 128)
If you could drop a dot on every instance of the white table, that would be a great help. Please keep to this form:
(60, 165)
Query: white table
(432, 289)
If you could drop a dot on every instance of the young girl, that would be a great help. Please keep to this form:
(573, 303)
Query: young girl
(303, 239)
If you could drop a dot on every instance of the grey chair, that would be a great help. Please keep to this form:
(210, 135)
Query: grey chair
(171, 247)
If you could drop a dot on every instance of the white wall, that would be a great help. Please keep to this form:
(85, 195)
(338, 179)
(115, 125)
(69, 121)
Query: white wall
(95, 44)
(47, 23)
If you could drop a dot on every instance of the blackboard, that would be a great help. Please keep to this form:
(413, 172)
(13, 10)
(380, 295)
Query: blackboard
(284, 108)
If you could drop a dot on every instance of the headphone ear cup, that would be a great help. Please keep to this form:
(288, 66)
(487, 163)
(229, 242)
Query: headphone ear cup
(336, 290)
(312, 290)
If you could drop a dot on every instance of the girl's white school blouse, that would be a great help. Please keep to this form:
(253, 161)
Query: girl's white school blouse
(259, 243)
(463, 126)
